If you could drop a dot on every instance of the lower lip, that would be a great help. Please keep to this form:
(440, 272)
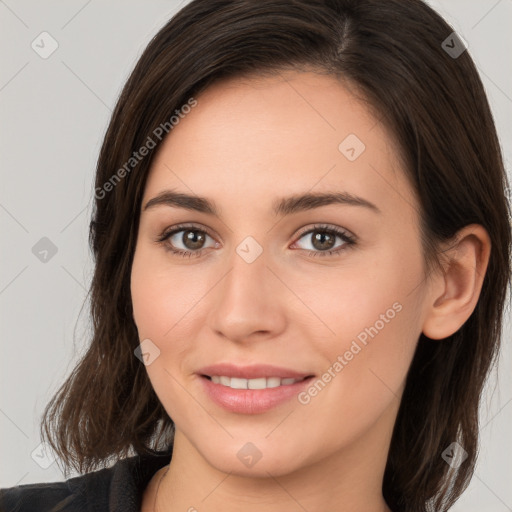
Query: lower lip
(252, 401)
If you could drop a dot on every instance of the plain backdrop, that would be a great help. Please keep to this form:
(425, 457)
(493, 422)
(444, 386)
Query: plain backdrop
(54, 112)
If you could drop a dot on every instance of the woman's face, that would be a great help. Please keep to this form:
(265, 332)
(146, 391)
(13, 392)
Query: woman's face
(279, 287)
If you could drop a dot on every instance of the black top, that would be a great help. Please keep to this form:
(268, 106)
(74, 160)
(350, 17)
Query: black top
(115, 489)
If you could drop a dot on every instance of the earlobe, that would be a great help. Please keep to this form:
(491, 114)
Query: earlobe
(454, 294)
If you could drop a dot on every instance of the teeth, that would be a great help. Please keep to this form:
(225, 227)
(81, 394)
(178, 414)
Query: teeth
(254, 383)
(273, 382)
(238, 383)
(259, 383)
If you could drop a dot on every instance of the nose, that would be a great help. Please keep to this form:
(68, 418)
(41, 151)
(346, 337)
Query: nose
(249, 301)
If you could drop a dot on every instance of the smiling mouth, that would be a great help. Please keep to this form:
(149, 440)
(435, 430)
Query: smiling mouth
(257, 383)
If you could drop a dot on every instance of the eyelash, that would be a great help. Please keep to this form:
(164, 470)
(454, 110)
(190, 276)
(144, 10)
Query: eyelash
(349, 240)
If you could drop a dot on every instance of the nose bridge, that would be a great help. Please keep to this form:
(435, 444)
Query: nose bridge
(248, 277)
(245, 301)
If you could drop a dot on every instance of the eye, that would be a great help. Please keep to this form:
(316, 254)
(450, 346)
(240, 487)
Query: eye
(322, 240)
(190, 237)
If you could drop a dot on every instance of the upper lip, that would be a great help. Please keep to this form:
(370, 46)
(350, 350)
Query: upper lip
(252, 371)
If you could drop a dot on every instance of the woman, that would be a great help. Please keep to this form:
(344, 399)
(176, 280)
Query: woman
(302, 249)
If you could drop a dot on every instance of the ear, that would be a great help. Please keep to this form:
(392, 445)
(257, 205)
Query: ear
(454, 294)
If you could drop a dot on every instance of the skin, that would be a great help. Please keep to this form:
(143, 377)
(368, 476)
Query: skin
(247, 143)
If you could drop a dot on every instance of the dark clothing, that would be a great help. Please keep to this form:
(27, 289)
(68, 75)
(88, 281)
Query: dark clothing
(115, 489)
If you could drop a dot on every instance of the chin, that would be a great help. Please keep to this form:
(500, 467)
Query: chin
(257, 458)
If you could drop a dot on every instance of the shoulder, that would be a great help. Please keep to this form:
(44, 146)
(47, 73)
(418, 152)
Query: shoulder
(117, 488)
(68, 496)
(47, 497)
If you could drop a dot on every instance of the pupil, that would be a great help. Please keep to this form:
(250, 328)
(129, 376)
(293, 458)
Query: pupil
(320, 237)
(193, 237)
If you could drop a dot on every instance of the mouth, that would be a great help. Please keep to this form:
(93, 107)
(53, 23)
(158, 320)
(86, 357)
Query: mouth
(255, 383)
(251, 389)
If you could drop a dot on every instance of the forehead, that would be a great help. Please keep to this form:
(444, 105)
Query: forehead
(251, 138)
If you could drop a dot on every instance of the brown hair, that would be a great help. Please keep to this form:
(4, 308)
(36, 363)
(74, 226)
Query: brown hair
(435, 106)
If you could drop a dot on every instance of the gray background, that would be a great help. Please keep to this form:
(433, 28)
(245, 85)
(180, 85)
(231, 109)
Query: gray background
(54, 113)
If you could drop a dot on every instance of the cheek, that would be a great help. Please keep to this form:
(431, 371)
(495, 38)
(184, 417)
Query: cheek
(167, 299)
(366, 367)
(347, 302)
(373, 315)
(162, 295)
(162, 301)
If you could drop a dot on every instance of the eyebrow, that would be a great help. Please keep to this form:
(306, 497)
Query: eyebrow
(282, 206)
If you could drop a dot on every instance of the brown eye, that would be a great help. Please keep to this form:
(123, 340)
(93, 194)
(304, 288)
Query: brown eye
(185, 240)
(192, 239)
(322, 239)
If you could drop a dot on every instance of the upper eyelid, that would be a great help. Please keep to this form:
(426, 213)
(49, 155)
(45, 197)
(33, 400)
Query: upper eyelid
(326, 227)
